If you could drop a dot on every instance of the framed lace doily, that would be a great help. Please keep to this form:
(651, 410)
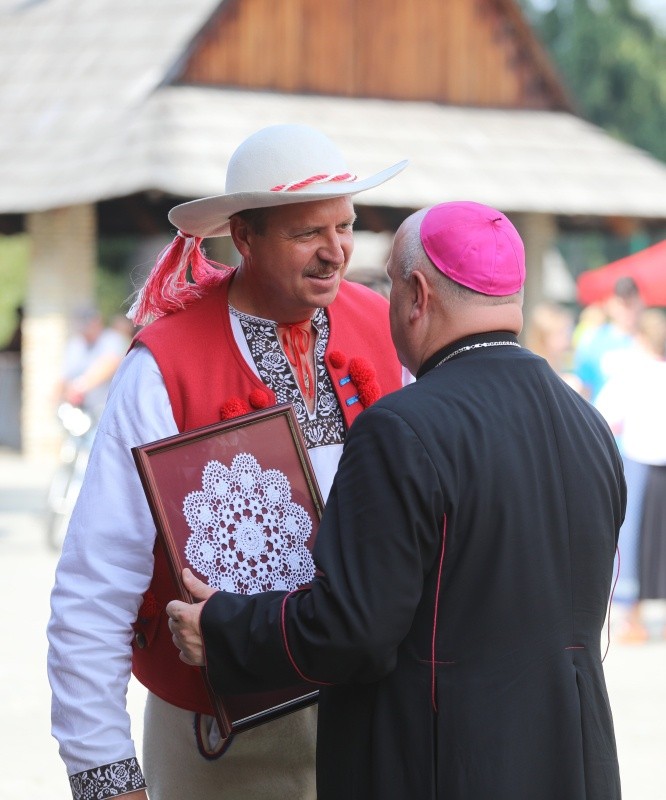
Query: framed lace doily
(238, 503)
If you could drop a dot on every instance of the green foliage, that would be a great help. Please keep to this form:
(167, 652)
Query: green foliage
(613, 60)
(14, 255)
(114, 285)
(112, 293)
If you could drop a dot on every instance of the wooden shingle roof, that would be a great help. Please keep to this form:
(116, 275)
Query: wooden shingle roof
(541, 161)
(87, 113)
(74, 79)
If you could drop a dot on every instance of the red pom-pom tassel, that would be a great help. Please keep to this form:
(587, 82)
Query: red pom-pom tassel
(233, 407)
(364, 376)
(369, 393)
(337, 359)
(361, 370)
(259, 398)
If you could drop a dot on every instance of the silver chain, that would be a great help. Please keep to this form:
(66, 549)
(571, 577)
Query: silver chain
(474, 347)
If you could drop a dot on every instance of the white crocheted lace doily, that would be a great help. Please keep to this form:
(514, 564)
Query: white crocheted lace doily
(247, 534)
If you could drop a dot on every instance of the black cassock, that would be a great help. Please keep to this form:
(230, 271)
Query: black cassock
(466, 554)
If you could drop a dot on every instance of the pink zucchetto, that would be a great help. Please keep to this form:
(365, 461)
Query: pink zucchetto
(475, 246)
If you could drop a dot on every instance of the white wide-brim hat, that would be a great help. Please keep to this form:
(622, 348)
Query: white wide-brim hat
(276, 166)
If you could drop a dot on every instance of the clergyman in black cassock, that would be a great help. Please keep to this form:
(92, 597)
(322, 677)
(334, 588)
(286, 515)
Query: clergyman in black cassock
(465, 559)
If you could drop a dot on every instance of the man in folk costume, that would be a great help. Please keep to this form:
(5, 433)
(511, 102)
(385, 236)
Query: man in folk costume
(464, 557)
(217, 343)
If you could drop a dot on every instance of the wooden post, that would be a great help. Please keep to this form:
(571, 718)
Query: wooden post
(61, 278)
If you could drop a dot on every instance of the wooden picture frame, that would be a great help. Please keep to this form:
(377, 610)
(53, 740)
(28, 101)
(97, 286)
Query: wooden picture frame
(238, 503)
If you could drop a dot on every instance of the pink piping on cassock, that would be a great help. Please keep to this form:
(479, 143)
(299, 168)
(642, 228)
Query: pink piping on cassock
(610, 603)
(286, 643)
(434, 621)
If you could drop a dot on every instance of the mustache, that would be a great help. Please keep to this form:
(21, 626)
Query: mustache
(323, 269)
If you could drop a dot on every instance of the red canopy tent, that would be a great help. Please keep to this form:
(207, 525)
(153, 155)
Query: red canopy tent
(647, 268)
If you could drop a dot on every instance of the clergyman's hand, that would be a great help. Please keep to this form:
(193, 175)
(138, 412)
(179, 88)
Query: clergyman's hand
(184, 620)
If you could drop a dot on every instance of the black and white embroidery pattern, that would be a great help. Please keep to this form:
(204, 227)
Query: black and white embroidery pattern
(327, 425)
(110, 780)
(247, 535)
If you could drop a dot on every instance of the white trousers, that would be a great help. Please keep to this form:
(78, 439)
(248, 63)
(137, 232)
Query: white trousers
(275, 761)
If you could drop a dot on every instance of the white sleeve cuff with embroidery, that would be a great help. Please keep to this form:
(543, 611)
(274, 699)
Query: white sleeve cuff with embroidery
(111, 780)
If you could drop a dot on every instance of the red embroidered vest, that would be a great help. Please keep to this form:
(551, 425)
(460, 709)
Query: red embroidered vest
(207, 380)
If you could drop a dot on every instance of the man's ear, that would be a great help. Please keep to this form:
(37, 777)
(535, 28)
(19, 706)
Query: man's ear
(419, 294)
(240, 234)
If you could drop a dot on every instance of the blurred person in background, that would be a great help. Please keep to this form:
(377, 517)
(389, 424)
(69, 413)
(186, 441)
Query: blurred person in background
(548, 333)
(634, 404)
(602, 350)
(590, 318)
(92, 355)
(608, 351)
